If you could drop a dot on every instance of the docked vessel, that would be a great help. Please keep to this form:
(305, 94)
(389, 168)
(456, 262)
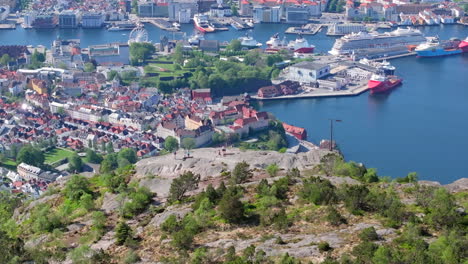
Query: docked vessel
(464, 45)
(384, 79)
(249, 42)
(202, 24)
(195, 39)
(121, 26)
(300, 45)
(375, 43)
(275, 44)
(434, 48)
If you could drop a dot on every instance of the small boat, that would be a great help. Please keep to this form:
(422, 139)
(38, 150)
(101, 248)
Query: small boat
(195, 39)
(249, 42)
(300, 45)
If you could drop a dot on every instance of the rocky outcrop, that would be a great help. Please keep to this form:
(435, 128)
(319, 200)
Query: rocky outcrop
(177, 210)
(208, 162)
(458, 185)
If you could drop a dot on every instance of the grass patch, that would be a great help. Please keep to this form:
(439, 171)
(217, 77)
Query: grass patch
(9, 164)
(57, 154)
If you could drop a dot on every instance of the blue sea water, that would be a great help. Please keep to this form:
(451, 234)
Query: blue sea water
(421, 126)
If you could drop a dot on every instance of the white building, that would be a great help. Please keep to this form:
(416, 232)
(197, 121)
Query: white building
(4, 12)
(306, 72)
(265, 14)
(343, 29)
(220, 10)
(92, 20)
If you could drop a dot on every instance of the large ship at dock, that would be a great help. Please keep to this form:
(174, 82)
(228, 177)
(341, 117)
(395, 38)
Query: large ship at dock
(435, 48)
(384, 79)
(377, 44)
(202, 24)
(299, 45)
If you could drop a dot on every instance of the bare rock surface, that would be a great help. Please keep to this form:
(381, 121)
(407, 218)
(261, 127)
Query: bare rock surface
(105, 242)
(178, 211)
(110, 203)
(458, 185)
(207, 162)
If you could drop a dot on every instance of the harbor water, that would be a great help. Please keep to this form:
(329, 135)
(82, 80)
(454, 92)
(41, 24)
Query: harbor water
(420, 126)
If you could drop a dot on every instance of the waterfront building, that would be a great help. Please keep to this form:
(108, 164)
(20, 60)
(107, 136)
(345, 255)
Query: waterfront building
(113, 53)
(45, 21)
(245, 8)
(92, 20)
(204, 5)
(314, 7)
(68, 19)
(298, 132)
(264, 14)
(10, 3)
(306, 72)
(180, 9)
(373, 10)
(4, 12)
(153, 9)
(220, 10)
(343, 29)
(29, 18)
(297, 14)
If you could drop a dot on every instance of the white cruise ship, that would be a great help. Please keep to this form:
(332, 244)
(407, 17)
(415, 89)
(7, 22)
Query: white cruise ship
(368, 42)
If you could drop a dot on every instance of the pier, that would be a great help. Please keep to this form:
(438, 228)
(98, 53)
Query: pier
(395, 56)
(160, 23)
(319, 93)
(309, 29)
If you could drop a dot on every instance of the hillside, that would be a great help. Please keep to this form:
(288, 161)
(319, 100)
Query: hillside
(243, 207)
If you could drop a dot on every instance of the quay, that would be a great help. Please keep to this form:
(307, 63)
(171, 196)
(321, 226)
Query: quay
(8, 26)
(160, 23)
(395, 56)
(318, 93)
(308, 29)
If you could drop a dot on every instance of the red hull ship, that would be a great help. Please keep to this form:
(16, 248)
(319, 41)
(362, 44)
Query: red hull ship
(381, 83)
(464, 45)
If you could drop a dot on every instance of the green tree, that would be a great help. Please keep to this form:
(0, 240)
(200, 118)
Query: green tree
(187, 181)
(241, 173)
(334, 217)
(110, 147)
(234, 45)
(272, 169)
(76, 187)
(171, 144)
(75, 164)
(128, 154)
(93, 157)
(89, 67)
(318, 191)
(5, 59)
(369, 234)
(123, 232)
(188, 143)
(230, 207)
(140, 52)
(442, 210)
(178, 55)
(30, 155)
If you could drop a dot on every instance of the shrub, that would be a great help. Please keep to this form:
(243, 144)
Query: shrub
(318, 191)
(324, 246)
(184, 183)
(369, 234)
(334, 217)
(123, 232)
(272, 169)
(182, 239)
(76, 187)
(230, 207)
(240, 173)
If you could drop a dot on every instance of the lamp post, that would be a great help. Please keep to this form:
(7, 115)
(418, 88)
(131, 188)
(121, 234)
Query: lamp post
(331, 132)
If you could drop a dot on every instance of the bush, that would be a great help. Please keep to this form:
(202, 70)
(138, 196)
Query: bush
(123, 232)
(76, 187)
(272, 169)
(171, 224)
(230, 207)
(182, 239)
(240, 173)
(184, 183)
(318, 191)
(140, 198)
(334, 217)
(369, 234)
(324, 246)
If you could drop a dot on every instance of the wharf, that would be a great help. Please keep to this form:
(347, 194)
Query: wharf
(160, 23)
(309, 29)
(395, 56)
(8, 26)
(319, 93)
